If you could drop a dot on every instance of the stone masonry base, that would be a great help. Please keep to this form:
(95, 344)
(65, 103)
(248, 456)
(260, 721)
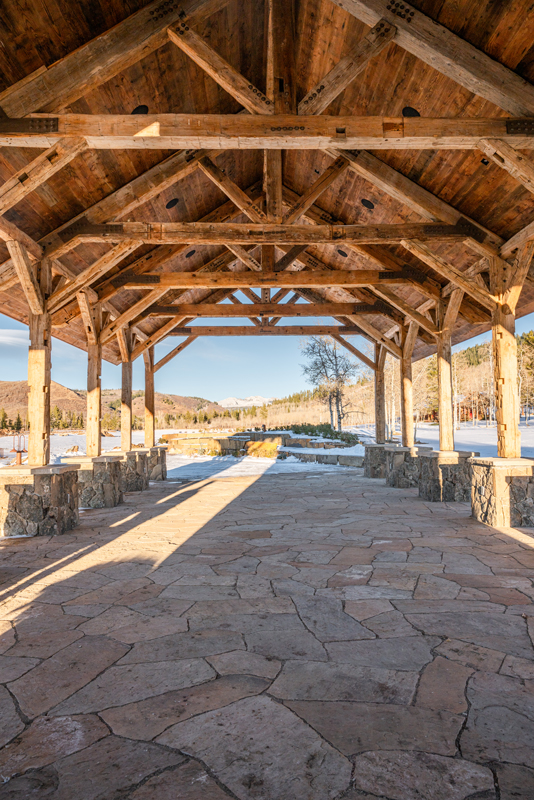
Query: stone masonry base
(502, 491)
(445, 476)
(38, 501)
(99, 481)
(402, 466)
(374, 462)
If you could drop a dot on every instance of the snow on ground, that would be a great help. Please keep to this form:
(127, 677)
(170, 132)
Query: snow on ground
(479, 438)
(469, 437)
(183, 467)
(201, 467)
(355, 450)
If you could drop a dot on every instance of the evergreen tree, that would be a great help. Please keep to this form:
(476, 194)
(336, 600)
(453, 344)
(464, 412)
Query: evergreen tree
(3, 419)
(18, 423)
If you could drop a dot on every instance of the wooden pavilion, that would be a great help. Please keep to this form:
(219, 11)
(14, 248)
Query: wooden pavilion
(370, 157)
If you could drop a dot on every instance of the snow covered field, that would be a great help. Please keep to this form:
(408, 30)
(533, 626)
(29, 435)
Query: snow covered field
(479, 439)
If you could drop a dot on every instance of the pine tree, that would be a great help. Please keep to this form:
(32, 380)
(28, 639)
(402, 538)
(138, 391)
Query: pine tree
(3, 418)
(18, 423)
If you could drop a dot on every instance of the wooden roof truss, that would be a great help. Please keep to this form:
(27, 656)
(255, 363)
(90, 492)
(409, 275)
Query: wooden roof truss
(267, 234)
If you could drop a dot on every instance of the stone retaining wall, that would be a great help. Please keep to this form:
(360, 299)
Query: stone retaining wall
(38, 501)
(445, 476)
(325, 458)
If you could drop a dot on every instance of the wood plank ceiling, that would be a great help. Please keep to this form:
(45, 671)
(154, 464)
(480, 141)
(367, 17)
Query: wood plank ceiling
(37, 34)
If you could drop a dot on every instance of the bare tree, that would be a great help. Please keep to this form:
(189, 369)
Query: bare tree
(329, 369)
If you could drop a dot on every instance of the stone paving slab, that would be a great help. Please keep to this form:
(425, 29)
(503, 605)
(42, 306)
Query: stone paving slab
(295, 637)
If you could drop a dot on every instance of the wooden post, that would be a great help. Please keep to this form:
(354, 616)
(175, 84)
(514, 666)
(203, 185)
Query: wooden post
(446, 425)
(406, 386)
(150, 439)
(380, 394)
(444, 367)
(506, 390)
(94, 399)
(39, 364)
(126, 407)
(506, 285)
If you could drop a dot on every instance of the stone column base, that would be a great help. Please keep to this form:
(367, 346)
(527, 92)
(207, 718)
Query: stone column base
(157, 463)
(134, 470)
(99, 481)
(402, 465)
(38, 501)
(502, 491)
(445, 475)
(374, 461)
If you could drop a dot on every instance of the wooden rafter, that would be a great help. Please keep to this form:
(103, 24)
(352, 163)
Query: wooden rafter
(89, 320)
(174, 352)
(506, 157)
(309, 197)
(346, 70)
(515, 282)
(231, 190)
(54, 87)
(26, 273)
(91, 274)
(411, 194)
(182, 35)
(38, 171)
(355, 352)
(450, 272)
(449, 54)
(406, 308)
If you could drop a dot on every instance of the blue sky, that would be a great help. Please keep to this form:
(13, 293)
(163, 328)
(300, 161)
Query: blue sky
(213, 368)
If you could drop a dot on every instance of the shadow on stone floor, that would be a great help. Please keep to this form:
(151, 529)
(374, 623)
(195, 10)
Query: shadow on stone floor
(304, 637)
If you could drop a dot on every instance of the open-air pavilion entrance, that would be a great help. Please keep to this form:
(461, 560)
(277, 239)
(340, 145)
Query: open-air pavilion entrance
(167, 168)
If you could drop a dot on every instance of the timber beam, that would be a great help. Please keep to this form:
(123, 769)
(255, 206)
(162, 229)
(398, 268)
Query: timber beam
(264, 233)
(266, 330)
(273, 280)
(267, 309)
(250, 132)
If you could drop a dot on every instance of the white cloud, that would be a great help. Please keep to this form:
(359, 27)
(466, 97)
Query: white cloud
(14, 338)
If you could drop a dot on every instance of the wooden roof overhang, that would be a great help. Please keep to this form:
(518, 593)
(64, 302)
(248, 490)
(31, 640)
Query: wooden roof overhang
(269, 122)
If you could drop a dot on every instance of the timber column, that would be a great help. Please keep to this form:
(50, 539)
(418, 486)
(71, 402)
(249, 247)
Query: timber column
(444, 367)
(406, 386)
(150, 433)
(94, 394)
(380, 395)
(39, 366)
(502, 488)
(445, 474)
(126, 394)
(402, 463)
(374, 461)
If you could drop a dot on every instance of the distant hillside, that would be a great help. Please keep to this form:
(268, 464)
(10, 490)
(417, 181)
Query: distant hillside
(14, 400)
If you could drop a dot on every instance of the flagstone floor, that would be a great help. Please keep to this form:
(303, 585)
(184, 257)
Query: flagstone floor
(287, 637)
